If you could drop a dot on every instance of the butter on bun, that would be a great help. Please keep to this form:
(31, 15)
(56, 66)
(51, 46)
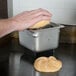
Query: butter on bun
(47, 64)
(40, 24)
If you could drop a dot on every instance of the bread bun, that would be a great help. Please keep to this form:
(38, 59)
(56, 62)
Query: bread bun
(47, 64)
(40, 24)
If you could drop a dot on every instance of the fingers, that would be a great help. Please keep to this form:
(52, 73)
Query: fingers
(35, 13)
(37, 19)
(39, 13)
(35, 16)
(40, 10)
(42, 13)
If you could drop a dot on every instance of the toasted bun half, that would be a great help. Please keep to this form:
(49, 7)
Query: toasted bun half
(47, 64)
(40, 24)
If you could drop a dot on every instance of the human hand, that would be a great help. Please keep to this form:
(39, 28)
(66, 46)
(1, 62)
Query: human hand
(26, 19)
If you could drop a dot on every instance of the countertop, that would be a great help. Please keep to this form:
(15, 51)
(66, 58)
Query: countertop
(16, 60)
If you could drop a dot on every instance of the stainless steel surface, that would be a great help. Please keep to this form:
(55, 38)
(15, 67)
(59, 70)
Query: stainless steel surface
(41, 39)
(21, 64)
(66, 53)
(14, 65)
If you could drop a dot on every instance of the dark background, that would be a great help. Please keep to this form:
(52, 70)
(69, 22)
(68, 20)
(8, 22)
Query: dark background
(3, 9)
(3, 54)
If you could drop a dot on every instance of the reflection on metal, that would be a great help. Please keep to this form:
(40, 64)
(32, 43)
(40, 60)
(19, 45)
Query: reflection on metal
(46, 74)
(14, 63)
